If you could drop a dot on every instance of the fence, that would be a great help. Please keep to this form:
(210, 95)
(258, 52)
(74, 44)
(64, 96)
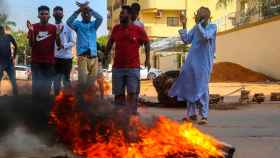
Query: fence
(241, 18)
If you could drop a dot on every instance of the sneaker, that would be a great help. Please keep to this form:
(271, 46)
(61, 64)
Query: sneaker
(193, 118)
(203, 121)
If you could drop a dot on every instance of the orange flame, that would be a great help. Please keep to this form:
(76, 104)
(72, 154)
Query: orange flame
(166, 139)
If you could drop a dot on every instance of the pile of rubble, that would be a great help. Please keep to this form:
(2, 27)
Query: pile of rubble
(231, 72)
(164, 82)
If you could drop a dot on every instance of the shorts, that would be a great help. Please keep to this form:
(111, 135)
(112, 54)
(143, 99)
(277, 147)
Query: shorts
(126, 79)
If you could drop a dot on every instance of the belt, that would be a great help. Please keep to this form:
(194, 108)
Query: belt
(88, 56)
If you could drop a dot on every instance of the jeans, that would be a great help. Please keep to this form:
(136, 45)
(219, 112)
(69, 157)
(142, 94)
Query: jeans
(9, 68)
(63, 69)
(127, 79)
(42, 77)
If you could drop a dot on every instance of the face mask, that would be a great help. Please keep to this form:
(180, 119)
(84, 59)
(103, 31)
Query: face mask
(59, 19)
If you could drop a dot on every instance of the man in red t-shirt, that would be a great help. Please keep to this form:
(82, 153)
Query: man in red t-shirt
(127, 38)
(42, 38)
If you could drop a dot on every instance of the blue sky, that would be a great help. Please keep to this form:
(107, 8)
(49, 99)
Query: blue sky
(21, 10)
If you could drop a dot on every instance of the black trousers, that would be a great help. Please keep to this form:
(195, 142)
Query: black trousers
(63, 69)
(42, 76)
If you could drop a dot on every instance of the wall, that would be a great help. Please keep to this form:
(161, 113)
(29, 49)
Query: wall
(194, 5)
(157, 27)
(255, 46)
(161, 4)
(168, 63)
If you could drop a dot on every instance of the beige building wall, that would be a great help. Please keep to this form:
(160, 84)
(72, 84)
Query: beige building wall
(154, 14)
(168, 63)
(217, 13)
(256, 47)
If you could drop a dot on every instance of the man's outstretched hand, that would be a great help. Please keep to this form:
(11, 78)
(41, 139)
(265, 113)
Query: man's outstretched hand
(183, 19)
(59, 29)
(29, 26)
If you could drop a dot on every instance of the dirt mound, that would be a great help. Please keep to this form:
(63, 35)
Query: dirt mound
(231, 72)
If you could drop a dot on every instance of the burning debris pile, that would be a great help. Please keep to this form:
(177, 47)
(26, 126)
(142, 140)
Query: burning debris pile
(111, 133)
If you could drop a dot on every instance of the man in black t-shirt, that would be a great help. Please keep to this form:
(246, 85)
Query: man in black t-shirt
(7, 61)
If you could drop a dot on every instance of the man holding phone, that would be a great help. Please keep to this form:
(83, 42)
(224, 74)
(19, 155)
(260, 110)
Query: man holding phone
(192, 84)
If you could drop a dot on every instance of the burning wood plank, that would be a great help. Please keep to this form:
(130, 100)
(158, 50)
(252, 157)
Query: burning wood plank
(105, 138)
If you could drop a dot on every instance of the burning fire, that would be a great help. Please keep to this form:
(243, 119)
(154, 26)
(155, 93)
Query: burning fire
(106, 138)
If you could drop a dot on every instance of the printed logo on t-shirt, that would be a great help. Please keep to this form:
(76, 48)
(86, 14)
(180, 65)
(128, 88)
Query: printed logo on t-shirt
(42, 36)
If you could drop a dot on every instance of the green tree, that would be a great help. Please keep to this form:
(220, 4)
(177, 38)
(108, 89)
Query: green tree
(5, 22)
(24, 50)
(102, 40)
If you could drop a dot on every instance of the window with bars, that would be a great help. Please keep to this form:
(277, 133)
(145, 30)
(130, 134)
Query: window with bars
(173, 21)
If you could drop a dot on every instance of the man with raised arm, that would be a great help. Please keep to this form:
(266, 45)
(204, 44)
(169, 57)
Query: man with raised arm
(86, 41)
(192, 83)
(42, 38)
(63, 56)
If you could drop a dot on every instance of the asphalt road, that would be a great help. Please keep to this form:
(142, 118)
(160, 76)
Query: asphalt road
(254, 130)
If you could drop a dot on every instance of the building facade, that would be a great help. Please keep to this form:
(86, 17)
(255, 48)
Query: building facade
(216, 12)
(161, 17)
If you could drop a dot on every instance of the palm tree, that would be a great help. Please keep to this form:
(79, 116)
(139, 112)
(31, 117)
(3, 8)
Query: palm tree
(5, 22)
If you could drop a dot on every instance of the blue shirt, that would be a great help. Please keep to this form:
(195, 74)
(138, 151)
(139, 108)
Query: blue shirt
(192, 83)
(86, 32)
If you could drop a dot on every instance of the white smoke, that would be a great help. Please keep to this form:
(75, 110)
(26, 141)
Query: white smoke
(3, 7)
(21, 144)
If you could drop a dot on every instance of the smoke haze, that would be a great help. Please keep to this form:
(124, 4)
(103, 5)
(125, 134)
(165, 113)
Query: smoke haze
(3, 7)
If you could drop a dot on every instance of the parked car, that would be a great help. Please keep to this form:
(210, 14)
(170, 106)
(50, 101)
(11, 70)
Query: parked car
(144, 73)
(150, 75)
(23, 72)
